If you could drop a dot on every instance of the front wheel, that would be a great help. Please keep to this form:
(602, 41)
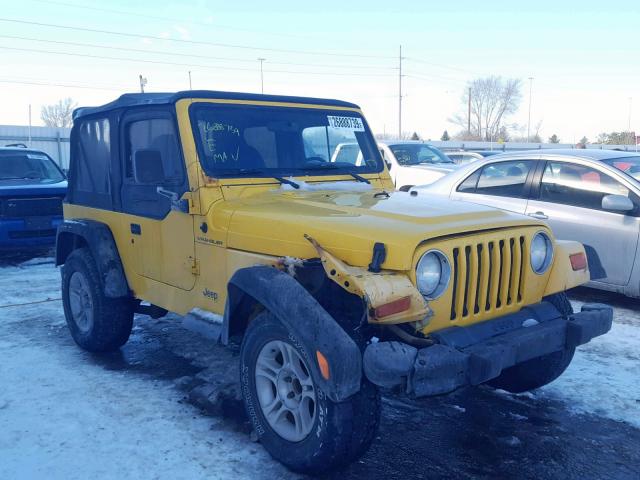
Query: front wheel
(540, 371)
(295, 421)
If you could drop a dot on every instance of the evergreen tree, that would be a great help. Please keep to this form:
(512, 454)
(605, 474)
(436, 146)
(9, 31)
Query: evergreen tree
(445, 136)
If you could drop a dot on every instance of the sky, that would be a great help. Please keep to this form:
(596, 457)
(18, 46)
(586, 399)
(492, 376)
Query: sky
(582, 56)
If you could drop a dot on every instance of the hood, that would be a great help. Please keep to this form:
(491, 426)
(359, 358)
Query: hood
(348, 224)
(25, 188)
(434, 167)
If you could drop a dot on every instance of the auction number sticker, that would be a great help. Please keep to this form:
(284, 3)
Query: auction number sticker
(353, 124)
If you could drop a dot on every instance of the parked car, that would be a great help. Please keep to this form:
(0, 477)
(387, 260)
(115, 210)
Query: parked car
(226, 206)
(32, 187)
(592, 196)
(462, 157)
(414, 163)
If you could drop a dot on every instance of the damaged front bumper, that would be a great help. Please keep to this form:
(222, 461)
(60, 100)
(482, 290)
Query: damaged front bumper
(478, 353)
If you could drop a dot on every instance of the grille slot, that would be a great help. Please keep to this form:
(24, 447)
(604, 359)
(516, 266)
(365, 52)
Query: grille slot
(29, 207)
(487, 276)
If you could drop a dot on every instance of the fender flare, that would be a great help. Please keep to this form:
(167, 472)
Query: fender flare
(307, 321)
(98, 238)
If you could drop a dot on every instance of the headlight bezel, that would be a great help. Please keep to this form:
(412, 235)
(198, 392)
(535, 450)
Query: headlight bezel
(445, 274)
(548, 260)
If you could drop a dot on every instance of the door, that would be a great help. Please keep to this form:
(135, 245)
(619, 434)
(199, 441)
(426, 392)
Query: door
(162, 235)
(501, 184)
(569, 198)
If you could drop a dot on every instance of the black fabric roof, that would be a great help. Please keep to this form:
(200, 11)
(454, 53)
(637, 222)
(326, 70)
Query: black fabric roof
(140, 99)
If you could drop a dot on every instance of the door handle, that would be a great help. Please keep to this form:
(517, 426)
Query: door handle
(538, 215)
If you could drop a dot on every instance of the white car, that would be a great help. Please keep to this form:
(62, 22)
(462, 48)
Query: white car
(414, 163)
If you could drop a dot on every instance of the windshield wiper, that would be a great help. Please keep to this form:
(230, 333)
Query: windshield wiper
(245, 171)
(332, 166)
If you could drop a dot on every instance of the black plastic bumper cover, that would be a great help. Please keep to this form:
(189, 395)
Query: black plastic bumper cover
(475, 354)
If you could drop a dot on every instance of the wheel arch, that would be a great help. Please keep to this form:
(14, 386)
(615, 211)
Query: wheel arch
(97, 237)
(260, 287)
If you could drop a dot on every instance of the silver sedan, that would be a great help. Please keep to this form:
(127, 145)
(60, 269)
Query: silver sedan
(592, 196)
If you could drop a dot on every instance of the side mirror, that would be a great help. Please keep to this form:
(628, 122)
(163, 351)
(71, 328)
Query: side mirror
(147, 167)
(617, 203)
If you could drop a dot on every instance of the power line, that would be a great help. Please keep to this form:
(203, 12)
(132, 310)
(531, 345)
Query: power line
(425, 78)
(160, 62)
(208, 57)
(450, 67)
(165, 19)
(57, 84)
(192, 42)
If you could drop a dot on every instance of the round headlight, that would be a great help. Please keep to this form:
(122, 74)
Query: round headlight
(541, 252)
(433, 274)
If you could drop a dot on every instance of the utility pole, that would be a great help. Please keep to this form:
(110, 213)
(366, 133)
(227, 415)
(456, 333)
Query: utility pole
(529, 122)
(400, 95)
(29, 125)
(469, 114)
(190, 88)
(261, 60)
(629, 123)
(143, 82)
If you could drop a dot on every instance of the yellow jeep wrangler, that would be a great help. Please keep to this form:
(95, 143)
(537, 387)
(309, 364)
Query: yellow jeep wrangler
(233, 207)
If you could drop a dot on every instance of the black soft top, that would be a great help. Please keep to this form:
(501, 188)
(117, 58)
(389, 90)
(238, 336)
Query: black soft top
(140, 99)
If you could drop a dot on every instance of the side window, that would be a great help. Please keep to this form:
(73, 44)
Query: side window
(469, 185)
(504, 179)
(94, 156)
(577, 185)
(155, 134)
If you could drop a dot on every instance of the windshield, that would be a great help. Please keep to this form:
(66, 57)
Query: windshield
(629, 165)
(31, 166)
(282, 141)
(418, 154)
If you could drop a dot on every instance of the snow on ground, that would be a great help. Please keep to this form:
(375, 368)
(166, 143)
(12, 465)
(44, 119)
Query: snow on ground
(603, 378)
(64, 417)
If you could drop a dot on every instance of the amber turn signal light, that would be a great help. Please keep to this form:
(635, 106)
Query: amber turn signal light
(323, 364)
(578, 261)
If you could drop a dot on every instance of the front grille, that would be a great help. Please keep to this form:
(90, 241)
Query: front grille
(487, 276)
(29, 207)
(32, 233)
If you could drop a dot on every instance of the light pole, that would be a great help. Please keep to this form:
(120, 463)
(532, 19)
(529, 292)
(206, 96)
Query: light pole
(529, 122)
(261, 60)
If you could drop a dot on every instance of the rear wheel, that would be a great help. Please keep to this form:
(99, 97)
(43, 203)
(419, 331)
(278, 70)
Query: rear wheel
(97, 323)
(540, 371)
(295, 421)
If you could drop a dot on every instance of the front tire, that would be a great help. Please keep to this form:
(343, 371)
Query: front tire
(295, 421)
(97, 323)
(540, 371)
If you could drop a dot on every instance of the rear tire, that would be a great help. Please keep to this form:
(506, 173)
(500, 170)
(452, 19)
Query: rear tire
(97, 323)
(540, 371)
(334, 433)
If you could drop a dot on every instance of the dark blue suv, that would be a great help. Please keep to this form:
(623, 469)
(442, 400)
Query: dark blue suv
(32, 188)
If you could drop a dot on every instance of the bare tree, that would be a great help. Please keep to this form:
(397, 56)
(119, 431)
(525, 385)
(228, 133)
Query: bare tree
(59, 114)
(493, 99)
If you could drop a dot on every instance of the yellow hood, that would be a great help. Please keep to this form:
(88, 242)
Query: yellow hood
(348, 223)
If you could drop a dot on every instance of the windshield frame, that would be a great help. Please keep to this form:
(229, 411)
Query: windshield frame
(63, 177)
(323, 171)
